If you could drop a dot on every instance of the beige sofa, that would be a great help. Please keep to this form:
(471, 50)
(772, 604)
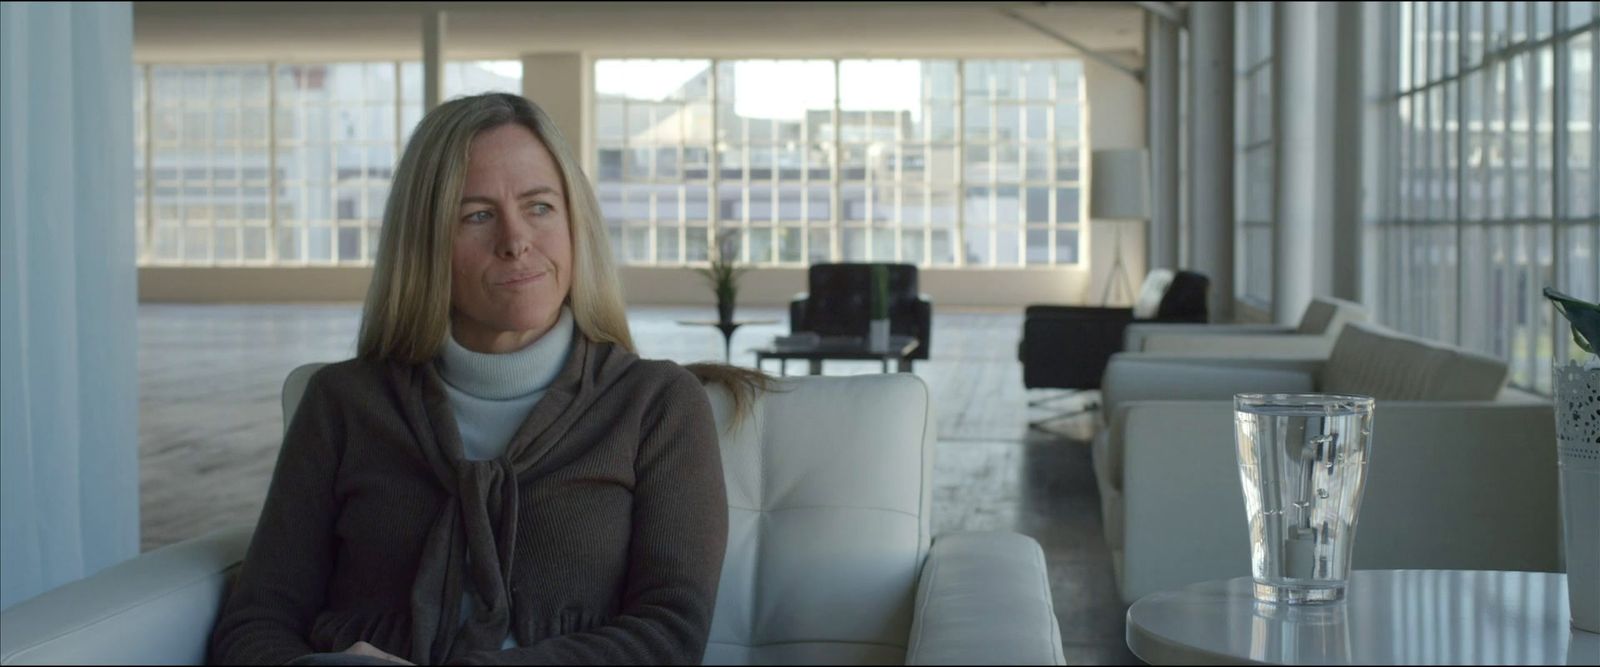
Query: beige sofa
(1320, 325)
(1462, 472)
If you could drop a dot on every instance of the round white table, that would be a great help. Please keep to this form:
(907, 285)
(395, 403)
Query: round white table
(1395, 617)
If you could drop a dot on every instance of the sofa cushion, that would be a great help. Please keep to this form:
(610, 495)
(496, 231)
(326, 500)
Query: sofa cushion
(1150, 293)
(1387, 365)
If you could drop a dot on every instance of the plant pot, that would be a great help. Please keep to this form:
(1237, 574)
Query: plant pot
(725, 311)
(1577, 403)
(878, 335)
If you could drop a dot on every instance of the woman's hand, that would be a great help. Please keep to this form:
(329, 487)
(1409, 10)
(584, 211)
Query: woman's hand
(363, 648)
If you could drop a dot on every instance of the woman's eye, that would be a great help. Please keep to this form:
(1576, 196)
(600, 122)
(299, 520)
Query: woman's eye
(541, 208)
(479, 216)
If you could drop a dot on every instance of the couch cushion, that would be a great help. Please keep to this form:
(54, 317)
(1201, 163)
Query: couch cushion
(1150, 293)
(1387, 365)
(827, 519)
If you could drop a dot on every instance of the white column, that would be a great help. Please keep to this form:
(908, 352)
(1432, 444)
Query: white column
(1349, 48)
(1211, 120)
(433, 26)
(559, 83)
(1161, 99)
(69, 402)
(1317, 115)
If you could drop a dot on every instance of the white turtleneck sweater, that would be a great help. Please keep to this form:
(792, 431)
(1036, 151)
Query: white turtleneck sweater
(491, 395)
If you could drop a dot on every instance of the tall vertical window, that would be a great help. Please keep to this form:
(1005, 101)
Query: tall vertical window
(898, 179)
(207, 151)
(653, 177)
(841, 160)
(288, 170)
(1023, 148)
(1254, 204)
(1490, 176)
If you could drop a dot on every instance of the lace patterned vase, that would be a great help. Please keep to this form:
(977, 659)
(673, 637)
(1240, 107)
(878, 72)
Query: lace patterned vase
(1577, 402)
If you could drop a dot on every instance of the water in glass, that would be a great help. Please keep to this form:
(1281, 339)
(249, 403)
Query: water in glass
(1302, 463)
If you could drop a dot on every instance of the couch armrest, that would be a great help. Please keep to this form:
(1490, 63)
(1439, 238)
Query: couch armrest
(1133, 340)
(1141, 377)
(797, 313)
(1247, 346)
(157, 608)
(984, 598)
(1465, 485)
(924, 317)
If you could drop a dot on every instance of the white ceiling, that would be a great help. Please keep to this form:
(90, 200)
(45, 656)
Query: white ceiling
(221, 32)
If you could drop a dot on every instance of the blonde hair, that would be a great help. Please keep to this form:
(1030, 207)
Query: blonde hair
(407, 312)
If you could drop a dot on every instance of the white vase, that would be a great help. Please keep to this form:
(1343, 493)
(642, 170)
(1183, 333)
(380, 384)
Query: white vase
(1577, 402)
(878, 335)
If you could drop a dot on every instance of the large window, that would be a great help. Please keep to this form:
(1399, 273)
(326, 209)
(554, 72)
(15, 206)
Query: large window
(277, 164)
(1489, 177)
(930, 162)
(1254, 205)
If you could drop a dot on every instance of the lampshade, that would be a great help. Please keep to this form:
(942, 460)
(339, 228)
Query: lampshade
(1119, 183)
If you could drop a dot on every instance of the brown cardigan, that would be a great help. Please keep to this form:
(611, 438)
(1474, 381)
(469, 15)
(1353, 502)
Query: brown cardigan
(607, 548)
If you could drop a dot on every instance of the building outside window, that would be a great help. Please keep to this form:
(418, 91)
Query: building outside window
(236, 167)
(932, 162)
(1490, 176)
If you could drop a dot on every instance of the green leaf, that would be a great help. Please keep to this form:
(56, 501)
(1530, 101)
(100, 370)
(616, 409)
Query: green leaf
(1584, 317)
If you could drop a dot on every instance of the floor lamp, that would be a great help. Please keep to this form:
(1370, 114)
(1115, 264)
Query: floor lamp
(1119, 187)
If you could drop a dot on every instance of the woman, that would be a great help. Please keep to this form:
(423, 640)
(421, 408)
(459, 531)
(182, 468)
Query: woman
(497, 477)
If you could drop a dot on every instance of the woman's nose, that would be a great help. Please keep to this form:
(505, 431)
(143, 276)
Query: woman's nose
(515, 237)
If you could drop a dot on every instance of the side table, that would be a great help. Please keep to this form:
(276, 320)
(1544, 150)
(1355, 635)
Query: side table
(727, 329)
(1393, 617)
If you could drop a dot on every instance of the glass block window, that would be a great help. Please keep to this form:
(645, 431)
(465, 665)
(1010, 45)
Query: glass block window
(1490, 176)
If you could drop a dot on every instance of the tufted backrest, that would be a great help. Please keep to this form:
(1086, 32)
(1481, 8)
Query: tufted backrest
(1326, 316)
(828, 495)
(1387, 365)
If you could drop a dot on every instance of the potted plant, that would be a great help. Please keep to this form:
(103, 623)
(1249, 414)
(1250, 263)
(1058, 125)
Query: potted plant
(722, 275)
(878, 325)
(1577, 402)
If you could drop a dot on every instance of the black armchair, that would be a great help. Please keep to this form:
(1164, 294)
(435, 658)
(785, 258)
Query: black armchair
(840, 299)
(1067, 347)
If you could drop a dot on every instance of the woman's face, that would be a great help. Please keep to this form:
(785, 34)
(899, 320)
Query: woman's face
(510, 269)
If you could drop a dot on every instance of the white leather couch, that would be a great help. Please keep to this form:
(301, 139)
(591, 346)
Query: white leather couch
(1320, 325)
(1462, 472)
(829, 555)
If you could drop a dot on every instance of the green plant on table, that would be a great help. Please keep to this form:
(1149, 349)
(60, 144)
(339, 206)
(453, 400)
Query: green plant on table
(880, 292)
(722, 275)
(1584, 317)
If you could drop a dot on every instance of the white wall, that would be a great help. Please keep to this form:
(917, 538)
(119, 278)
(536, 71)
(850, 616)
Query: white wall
(1115, 118)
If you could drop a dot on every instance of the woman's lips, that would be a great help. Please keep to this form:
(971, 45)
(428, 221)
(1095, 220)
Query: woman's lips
(521, 279)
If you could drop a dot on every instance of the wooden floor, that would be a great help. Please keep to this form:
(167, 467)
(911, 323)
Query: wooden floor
(210, 423)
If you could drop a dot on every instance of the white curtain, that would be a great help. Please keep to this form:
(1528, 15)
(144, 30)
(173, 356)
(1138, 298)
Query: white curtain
(69, 441)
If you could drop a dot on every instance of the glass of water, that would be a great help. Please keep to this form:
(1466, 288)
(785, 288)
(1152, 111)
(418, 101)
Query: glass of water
(1303, 465)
